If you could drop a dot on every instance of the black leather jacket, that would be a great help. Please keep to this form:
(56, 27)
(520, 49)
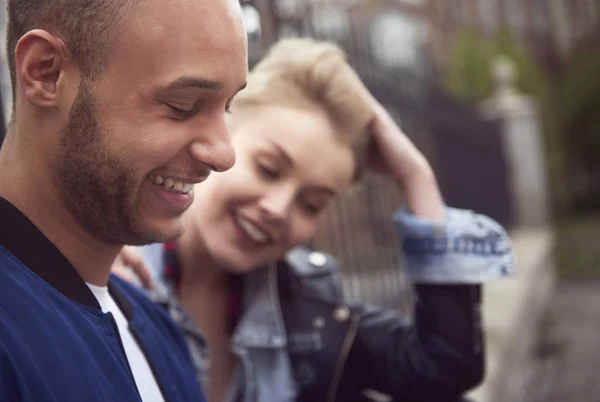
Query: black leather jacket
(342, 352)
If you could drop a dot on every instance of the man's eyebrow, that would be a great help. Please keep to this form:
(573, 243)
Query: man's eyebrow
(197, 82)
(194, 82)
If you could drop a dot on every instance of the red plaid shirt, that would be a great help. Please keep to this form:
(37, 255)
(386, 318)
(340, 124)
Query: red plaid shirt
(172, 274)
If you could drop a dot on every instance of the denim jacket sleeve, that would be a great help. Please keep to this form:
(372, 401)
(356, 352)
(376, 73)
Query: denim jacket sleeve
(466, 248)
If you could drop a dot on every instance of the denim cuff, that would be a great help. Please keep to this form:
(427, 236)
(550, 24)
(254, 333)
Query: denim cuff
(466, 248)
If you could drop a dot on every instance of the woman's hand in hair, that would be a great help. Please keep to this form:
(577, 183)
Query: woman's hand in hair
(391, 152)
(128, 263)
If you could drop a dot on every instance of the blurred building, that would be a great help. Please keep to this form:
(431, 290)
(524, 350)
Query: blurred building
(416, 33)
(549, 29)
(389, 32)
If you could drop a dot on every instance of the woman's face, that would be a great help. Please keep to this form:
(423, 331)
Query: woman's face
(289, 167)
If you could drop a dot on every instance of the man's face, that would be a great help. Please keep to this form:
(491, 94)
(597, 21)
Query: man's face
(153, 124)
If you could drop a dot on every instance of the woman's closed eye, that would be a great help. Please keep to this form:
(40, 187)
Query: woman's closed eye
(268, 171)
(313, 207)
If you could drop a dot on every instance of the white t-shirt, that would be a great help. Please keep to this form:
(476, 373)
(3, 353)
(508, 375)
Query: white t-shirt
(144, 379)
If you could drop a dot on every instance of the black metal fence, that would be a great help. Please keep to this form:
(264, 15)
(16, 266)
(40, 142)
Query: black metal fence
(469, 159)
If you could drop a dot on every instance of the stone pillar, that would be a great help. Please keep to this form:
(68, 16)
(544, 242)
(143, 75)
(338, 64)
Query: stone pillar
(523, 144)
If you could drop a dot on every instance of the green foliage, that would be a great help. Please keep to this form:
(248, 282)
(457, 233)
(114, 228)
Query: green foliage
(580, 121)
(468, 77)
(468, 74)
(580, 85)
(531, 79)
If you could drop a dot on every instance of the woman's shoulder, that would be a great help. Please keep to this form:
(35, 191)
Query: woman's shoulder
(304, 262)
(313, 273)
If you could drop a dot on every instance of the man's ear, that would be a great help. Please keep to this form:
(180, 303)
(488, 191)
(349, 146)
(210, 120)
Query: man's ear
(40, 61)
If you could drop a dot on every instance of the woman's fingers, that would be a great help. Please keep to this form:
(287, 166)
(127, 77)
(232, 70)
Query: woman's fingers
(131, 258)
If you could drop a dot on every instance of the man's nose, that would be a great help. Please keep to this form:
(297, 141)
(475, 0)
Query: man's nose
(212, 146)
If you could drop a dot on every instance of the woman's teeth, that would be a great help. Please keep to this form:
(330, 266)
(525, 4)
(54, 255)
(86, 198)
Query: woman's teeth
(252, 231)
(172, 185)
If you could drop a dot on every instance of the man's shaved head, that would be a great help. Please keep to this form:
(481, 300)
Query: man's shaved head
(86, 26)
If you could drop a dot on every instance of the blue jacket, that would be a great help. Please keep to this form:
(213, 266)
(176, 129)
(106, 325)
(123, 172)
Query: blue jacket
(55, 342)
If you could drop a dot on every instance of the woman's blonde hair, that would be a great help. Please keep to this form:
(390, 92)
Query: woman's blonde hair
(307, 73)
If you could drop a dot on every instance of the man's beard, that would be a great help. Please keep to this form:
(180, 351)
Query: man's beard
(96, 186)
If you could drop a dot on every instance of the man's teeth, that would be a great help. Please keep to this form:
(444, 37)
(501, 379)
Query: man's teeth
(252, 231)
(172, 185)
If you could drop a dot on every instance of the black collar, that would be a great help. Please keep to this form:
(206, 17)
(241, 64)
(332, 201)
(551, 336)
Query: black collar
(24, 241)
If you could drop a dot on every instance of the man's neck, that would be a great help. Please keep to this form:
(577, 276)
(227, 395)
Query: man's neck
(34, 194)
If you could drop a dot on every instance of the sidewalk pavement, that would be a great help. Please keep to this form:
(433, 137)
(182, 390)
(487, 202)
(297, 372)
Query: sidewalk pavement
(512, 311)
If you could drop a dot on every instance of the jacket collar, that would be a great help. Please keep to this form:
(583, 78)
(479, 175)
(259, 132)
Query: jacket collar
(20, 237)
(262, 324)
